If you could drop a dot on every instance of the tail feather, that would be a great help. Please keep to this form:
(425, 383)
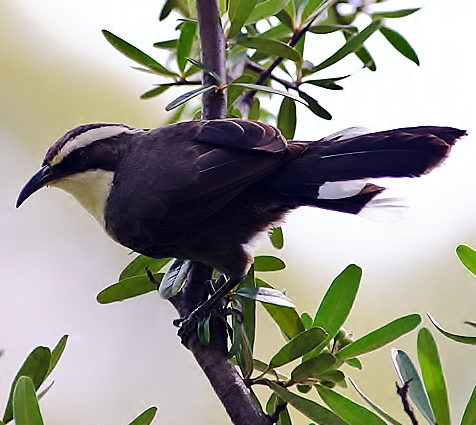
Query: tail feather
(405, 152)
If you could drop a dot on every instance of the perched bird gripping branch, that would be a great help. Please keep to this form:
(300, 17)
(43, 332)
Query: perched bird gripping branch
(204, 190)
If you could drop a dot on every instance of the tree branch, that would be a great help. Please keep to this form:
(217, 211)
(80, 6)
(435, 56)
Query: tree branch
(213, 359)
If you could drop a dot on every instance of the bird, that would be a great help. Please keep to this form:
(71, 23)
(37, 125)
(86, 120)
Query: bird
(205, 190)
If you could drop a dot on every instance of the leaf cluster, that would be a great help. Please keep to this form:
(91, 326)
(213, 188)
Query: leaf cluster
(268, 47)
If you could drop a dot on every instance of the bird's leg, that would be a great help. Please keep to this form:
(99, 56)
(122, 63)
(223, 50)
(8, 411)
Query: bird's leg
(188, 324)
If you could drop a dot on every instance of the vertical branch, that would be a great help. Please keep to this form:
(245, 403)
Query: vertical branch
(213, 359)
(212, 47)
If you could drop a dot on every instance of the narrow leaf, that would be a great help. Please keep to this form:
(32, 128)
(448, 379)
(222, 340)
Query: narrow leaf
(270, 46)
(268, 263)
(209, 71)
(400, 43)
(433, 377)
(380, 337)
(167, 44)
(203, 331)
(469, 415)
(298, 346)
(330, 28)
(286, 121)
(233, 92)
(374, 406)
(407, 373)
(350, 411)
(238, 12)
(57, 353)
(353, 43)
(455, 337)
(25, 404)
(315, 107)
(276, 236)
(185, 42)
(265, 10)
(255, 110)
(338, 301)
(268, 89)
(313, 368)
(136, 55)
(138, 266)
(156, 91)
(309, 408)
(128, 288)
(175, 278)
(266, 295)
(394, 13)
(146, 417)
(248, 308)
(467, 256)
(187, 96)
(35, 367)
(287, 319)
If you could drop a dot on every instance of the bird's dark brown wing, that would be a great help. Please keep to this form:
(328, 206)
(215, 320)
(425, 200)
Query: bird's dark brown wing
(190, 171)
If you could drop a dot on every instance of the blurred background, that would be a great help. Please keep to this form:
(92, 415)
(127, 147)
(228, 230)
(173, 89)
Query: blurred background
(57, 71)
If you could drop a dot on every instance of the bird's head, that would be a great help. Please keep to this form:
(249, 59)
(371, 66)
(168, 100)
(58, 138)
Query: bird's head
(82, 162)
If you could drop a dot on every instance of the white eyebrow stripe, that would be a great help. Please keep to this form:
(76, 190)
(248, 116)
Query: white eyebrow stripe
(90, 136)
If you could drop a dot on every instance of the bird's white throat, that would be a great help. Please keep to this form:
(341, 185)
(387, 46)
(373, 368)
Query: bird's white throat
(91, 189)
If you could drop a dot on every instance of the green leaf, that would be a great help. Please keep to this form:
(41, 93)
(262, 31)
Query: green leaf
(469, 415)
(268, 263)
(286, 121)
(146, 417)
(380, 337)
(407, 373)
(234, 92)
(306, 320)
(330, 28)
(136, 55)
(167, 44)
(156, 91)
(25, 404)
(325, 83)
(467, 256)
(138, 266)
(255, 110)
(265, 9)
(266, 295)
(354, 363)
(315, 8)
(313, 368)
(352, 412)
(374, 406)
(394, 13)
(455, 337)
(270, 46)
(287, 319)
(353, 44)
(187, 96)
(175, 278)
(337, 302)
(248, 308)
(185, 42)
(268, 89)
(298, 346)
(433, 377)
(209, 71)
(35, 367)
(238, 12)
(276, 236)
(314, 106)
(309, 408)
(400, 43)
(128, 288)
(203, 331)
(56, 354)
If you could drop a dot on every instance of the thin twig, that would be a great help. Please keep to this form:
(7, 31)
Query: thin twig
(265, 74)
(403, 393)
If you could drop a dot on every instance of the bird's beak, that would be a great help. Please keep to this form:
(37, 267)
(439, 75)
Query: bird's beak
(40, 179)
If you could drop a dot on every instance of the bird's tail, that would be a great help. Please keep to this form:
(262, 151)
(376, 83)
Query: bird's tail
(333, 172)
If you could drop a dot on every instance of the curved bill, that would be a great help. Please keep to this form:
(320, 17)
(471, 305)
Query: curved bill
(40, 179)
